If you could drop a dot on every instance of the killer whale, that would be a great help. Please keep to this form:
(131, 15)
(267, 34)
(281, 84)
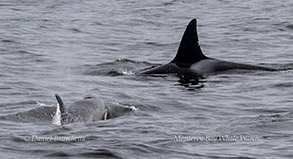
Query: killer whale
(191, 60)
(88, 109)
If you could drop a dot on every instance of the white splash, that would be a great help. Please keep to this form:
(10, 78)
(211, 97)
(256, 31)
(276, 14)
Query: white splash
(57, 117)
(125, 72)
(39, 104)
(134, 108)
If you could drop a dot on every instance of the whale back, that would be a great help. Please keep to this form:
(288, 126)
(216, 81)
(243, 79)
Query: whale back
(88, 109)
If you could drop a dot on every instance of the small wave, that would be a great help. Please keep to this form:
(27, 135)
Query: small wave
(169, 3)
(117, 68)
(274, 118)
(134, 108)
(132, 61)
(99, 153)
(39, 104)
(29, 102)
(18, 138)
(119, 72)
(281, 26)
(76, 30)
(290, 26)
(155, 44)
(58, 154)
(7, 41)
(283, 85)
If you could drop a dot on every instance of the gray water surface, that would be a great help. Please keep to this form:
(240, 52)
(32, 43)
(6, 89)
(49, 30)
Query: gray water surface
(78, 48)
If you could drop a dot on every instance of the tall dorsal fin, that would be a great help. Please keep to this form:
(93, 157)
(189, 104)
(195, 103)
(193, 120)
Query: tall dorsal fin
(189, 50)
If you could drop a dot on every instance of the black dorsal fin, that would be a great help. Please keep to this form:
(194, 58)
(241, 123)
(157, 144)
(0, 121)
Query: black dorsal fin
(61, 104)
(61, 108)
(189, 50)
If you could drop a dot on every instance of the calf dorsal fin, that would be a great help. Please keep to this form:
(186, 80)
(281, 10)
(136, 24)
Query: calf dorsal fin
(61, 108)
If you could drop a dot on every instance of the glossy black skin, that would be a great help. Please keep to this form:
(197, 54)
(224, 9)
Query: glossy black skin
(191, 60)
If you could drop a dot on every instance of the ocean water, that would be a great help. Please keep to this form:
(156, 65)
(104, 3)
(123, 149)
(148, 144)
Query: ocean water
(78, 48)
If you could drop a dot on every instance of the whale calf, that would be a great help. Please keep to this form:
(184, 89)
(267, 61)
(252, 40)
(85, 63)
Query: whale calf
(190, 58)
(88, 109)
